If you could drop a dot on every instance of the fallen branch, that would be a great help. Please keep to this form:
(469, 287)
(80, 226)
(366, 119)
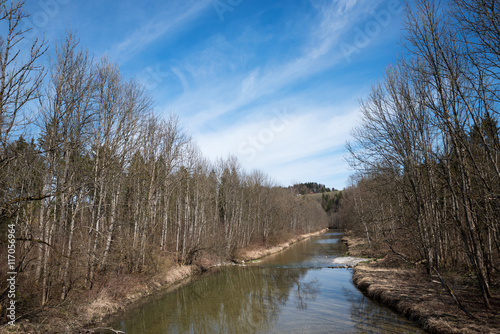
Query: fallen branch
(93, 330)
(453, 296)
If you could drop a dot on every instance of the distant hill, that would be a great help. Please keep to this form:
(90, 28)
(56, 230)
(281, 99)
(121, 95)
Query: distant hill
(311, 188)
(329, 199)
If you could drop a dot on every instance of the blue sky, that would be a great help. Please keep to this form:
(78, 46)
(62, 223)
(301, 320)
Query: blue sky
(275, 82)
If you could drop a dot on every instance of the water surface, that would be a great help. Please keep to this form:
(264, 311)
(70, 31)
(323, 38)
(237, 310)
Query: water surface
(295, 291)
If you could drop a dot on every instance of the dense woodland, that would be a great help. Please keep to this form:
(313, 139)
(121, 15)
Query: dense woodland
(427, 150)
(97, 182)
(310, 188)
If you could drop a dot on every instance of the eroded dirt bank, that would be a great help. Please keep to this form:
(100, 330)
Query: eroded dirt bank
(409, 290)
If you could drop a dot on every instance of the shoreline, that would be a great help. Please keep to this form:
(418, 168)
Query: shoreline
(409, 291)
(252, 254)
(123, 291)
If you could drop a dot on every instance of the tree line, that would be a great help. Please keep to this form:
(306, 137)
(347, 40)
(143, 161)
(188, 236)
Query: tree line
(96, 182)
(427, 150)
(311, 188)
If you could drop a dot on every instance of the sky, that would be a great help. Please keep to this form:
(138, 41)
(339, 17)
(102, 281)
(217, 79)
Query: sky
(277, 83)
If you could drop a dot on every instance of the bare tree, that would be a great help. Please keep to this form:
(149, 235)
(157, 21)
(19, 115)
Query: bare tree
(20, 82)
(66, 114)
(432, 124)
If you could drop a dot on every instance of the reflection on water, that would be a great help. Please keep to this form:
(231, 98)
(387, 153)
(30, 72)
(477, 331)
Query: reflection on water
(291, 292)
(233, 300)
(317, 252)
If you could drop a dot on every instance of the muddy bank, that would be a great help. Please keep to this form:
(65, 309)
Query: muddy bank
(85, 311)
(411, 292)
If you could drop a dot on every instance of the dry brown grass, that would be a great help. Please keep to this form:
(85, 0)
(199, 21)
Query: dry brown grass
(358, 247)
(108, 297)
(411, 292)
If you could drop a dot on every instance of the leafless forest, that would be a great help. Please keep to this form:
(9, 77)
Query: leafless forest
(96, 182)
(428, 151)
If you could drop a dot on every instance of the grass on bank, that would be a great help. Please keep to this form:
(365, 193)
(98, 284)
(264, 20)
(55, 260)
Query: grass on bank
(410, 291)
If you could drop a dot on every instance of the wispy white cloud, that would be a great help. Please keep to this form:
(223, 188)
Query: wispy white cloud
(225, 78)
(331, 170)
(229, 110)
(283, 142)
(181, 77)
(248, 86)
(232, 91)
(178, 15)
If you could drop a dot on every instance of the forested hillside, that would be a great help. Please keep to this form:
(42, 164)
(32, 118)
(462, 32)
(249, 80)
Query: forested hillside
(93, 181)
(310, 188)
(427, 149)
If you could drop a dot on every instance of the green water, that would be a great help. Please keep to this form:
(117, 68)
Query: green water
(295, 291)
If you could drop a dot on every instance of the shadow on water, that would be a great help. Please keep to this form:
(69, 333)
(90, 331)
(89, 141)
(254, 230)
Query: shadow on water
(290, 292)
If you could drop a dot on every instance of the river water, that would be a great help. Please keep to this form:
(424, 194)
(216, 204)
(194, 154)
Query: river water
(295, 291)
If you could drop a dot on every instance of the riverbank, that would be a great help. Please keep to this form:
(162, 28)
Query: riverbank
(85, 313)
(407, 289)
(82, 313)
(255, 253)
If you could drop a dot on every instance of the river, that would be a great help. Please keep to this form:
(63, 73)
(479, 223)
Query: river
(295, 291)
